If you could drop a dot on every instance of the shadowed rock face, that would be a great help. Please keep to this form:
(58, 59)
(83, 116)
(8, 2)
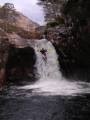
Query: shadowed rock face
(20, 65)
(4, 48)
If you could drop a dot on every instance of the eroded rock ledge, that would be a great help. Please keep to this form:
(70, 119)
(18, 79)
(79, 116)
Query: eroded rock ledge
(17, 60)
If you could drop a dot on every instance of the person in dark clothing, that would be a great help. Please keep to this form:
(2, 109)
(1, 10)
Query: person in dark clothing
(44, 51)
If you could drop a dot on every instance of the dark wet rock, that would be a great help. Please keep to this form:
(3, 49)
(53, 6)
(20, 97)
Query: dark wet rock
(73, 59)
(4, 48)
(20, 65)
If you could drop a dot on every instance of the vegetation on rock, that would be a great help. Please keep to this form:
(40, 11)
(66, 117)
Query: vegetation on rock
(71, 35)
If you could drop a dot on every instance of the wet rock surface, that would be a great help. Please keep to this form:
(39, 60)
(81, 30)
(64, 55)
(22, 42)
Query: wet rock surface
(73, 62)
(20, 64)
(4, 48)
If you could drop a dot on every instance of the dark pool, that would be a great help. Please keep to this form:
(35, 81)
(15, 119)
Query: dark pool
(37, 107)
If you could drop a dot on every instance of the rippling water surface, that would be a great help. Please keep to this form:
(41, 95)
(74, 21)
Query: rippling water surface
(50, 98)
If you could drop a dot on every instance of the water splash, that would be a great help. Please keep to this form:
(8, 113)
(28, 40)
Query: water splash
(50, 80)
(47, 68)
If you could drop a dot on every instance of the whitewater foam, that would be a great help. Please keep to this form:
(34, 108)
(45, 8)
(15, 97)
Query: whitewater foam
(50, 80)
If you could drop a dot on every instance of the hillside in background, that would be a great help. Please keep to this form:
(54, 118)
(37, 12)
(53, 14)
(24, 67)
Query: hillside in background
(25, 23)
(14, 21)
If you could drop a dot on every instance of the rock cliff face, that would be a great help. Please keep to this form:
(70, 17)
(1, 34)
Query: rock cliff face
(17, 58)
(73, 57)
(20, 65)
(21, 25)
(4, 48)
(21, 21)
(25, 23)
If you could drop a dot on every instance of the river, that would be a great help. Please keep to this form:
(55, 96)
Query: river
(51, 97)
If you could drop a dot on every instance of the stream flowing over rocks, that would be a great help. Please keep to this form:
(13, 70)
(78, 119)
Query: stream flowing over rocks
(51, 96)
(50, 79)
(42, 67)
(45, 70)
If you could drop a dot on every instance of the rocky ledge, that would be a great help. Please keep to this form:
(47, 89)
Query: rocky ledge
(17, 59)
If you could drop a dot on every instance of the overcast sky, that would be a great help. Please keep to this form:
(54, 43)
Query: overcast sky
(28, 8)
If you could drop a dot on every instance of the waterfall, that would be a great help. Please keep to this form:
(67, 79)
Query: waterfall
(48, 68)
(50, 80)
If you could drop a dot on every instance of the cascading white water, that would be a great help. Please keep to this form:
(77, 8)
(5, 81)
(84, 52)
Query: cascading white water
(48, 68)
(50, 79)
